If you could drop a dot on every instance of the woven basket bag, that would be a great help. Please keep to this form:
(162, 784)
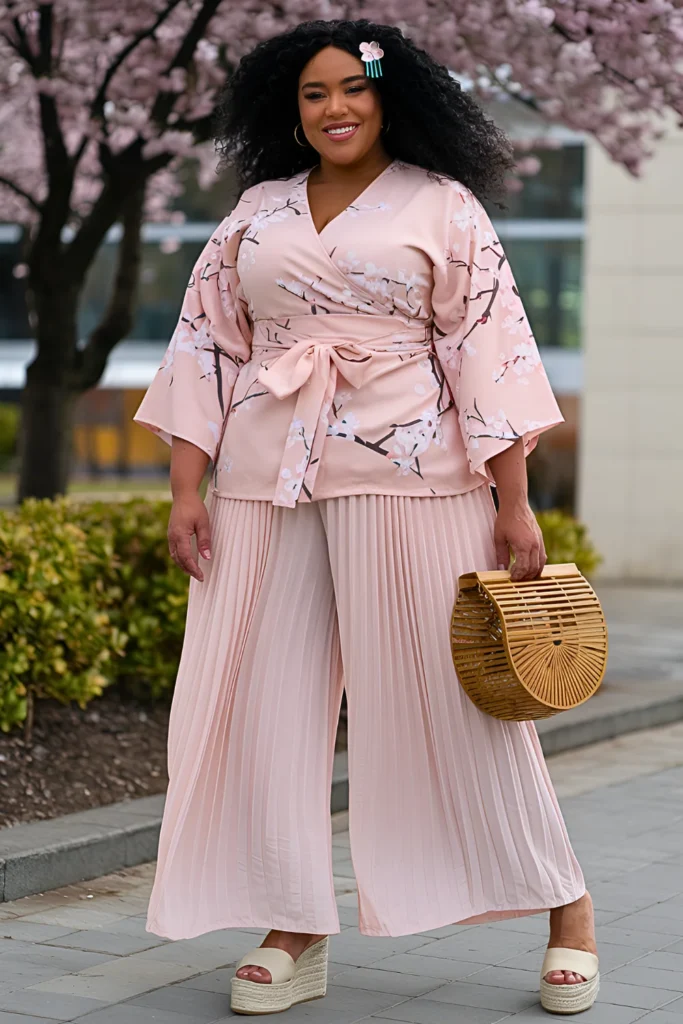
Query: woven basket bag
(528, 650)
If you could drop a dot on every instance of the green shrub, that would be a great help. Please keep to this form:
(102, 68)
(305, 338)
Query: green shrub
(147, 592)
(56, 637)
(566, 540)
(9, 430)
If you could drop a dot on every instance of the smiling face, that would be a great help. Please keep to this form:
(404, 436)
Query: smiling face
(340, 108)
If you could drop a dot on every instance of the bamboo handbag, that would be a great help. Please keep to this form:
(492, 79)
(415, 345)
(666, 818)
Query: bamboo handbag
(528, 650)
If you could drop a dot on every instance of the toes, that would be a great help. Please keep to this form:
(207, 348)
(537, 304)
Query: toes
(252, 973)
(572, 978)
(564, 978)
(261, 974)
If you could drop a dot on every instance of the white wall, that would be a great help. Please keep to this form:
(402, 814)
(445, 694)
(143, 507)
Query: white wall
(631, 447)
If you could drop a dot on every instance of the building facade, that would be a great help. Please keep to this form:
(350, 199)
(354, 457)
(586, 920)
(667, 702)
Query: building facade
(630, 490)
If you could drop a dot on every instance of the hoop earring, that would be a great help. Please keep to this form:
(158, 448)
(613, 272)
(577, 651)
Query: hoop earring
(385, 129)
(304, 144)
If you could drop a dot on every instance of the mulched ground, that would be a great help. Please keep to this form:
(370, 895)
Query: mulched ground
(113, 750)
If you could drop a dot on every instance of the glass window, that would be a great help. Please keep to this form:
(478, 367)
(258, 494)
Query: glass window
(548, 275)
(13, 312)
(556, 192)
(163, 280)
(210, 204)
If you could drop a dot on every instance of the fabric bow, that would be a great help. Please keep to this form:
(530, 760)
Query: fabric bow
(310, 368)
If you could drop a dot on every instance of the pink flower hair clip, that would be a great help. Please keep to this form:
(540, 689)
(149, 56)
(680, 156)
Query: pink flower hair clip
(371, 54)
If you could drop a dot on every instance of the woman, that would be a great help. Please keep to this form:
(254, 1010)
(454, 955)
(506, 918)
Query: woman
(353, 357)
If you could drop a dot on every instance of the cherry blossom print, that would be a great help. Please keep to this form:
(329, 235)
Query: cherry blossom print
(356, 209)
(346, 427)
(296, 433)
(380, 356)
(318, 294)
(400, 293)
(508, 296)
(514, 324)
(464, 211)
(484, 340)
(496, 427)
(525, 359)
(411, 440)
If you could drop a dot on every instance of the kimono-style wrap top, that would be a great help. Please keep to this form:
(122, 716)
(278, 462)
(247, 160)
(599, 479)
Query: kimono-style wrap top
(387, 354)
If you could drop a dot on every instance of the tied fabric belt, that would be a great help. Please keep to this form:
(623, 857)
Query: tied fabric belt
(305, 354)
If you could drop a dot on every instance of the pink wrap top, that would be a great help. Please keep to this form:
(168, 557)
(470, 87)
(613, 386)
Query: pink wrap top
(387, 354)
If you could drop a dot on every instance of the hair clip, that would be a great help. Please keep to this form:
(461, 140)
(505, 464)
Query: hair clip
(371, 54)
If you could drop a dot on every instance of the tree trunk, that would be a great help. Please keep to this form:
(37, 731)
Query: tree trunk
(45, 435)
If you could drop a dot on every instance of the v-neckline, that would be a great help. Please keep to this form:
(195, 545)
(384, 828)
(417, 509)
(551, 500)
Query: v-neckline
(347, 207)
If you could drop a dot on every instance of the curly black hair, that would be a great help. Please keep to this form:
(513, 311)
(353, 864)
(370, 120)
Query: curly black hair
(432, 122)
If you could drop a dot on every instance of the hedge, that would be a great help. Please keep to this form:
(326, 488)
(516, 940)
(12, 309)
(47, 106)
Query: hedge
(56, 636)
(89, 598)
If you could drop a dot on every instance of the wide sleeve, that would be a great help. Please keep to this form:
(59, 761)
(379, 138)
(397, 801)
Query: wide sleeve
(484, 341)
(190, 394)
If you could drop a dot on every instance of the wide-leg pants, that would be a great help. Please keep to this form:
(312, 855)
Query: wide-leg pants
(452, 814)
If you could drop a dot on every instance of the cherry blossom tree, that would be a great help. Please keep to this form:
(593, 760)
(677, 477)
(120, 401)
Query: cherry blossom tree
(100, 102)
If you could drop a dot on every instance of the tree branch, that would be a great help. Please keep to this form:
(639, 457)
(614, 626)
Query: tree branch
(45, 35)
(23, 47)
(97, 106)
(124, 173)
(202, 129)
(118, 318)
(21, 192)
(60, 176)
(164, 102)
(607, 68)
(57, 163)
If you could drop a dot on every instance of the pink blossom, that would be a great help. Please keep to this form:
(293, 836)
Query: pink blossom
(610, 68)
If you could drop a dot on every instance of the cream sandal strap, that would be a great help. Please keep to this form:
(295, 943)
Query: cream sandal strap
(560, 958)
(281, 965)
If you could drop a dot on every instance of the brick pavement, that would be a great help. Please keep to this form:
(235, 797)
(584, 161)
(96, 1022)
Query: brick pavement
(81, 953)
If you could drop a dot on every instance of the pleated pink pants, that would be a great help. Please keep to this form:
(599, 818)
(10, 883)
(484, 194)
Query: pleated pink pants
(453, 817)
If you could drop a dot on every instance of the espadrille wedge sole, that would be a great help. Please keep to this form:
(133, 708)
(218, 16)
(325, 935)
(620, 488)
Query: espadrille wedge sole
(569, 998)
(293, 981)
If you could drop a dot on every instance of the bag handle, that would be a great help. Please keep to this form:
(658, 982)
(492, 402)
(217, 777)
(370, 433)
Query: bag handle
(472, 579)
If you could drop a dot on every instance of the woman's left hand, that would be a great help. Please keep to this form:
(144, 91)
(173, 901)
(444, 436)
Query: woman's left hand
(516, 530)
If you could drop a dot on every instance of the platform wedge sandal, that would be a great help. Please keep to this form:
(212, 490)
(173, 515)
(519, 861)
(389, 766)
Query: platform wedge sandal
(569, 998)
(293, 981)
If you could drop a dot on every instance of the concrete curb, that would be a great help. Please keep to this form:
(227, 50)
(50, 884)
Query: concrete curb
(607, 715)
(45, 855)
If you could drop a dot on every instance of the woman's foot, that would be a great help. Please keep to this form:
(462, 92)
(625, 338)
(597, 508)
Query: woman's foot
(572, 926)
(294, 943)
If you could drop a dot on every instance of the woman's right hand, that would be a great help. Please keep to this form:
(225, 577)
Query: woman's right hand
(189, 517)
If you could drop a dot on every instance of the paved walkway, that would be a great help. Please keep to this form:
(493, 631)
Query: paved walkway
(82, 954)
(646, 638)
